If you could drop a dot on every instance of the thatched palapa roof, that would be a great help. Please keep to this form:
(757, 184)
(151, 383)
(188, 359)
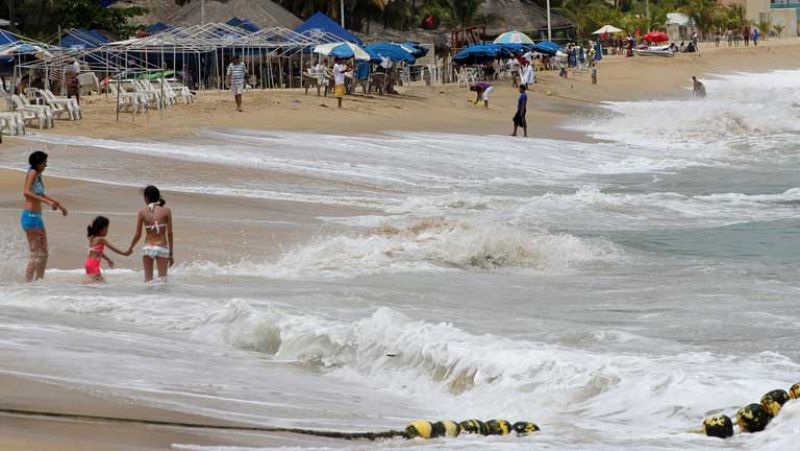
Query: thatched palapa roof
(522, 15)
(264, 13)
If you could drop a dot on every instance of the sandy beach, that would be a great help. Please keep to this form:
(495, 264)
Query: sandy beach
(269, 227)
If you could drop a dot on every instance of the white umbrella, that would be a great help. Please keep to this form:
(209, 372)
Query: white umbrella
(513, 37)
(358, 52)
(608, 29)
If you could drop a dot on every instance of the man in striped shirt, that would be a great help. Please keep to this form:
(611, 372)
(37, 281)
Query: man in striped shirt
(237, 74)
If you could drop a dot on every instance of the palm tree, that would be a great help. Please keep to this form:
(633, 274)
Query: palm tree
(578, 11)
(779, 29)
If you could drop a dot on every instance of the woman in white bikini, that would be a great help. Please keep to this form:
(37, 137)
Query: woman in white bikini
(156, 219)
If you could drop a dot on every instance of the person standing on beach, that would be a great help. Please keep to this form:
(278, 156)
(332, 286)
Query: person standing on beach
(237, 74)
(698, 89)
(71, 73)
(746, 36)
(31, 220)
(159, 245)
(339, 71)
(526, 75)
(756, 35)
(522, 111)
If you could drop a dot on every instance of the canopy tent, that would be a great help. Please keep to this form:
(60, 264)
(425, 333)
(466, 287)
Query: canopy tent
(513, 37)
(342, 50)
(158, 28)
(244, 24)
(23, 48)
(81, 38)
(7, 37)
(608, 29)
(394, 52)
(320, 23)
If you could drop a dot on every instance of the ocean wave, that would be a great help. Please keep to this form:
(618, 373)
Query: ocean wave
(743, 116)
(430, 244)
(465, 374)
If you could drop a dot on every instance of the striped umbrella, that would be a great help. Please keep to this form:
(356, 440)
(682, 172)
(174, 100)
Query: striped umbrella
(513, 37)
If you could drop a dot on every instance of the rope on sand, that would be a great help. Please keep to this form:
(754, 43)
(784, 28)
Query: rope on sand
(417, 429)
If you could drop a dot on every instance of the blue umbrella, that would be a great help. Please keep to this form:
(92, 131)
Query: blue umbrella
(481, 53)
(342, 51)
(516, 49)
(417, 50)
(394, 52)
(547, 47)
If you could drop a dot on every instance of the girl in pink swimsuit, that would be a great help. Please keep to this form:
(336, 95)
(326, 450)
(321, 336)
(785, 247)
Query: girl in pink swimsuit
(97, 232)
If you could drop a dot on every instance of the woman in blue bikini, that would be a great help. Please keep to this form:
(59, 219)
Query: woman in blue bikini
(156, 219)
(31, 220)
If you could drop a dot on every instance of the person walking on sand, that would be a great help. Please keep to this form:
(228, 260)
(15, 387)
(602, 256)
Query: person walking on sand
(159, 245)
(339, 71)
(746, 36)
(31, 219)
(483, 90)
(97, 232)
(526, 75)
(522, 111)
(236, 77)
(698, 89)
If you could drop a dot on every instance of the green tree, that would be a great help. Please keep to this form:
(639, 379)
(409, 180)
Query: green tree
(703, 13)
(779, 29)
(580, 12)
(764, 26)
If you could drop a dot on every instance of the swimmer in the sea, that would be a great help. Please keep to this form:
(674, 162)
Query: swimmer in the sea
(158, 247)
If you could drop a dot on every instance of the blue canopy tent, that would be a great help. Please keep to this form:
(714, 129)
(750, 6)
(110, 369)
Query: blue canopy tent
(158, 28)
(320, 21)
(7, 38)
(516, 49)
(243, 24)
(546, 47)
(81, 38)
(392, 51)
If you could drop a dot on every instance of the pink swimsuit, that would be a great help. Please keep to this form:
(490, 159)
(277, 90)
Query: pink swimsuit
(93, 263)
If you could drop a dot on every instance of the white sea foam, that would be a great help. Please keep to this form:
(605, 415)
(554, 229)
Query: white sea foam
(430, 245)
(743, 117)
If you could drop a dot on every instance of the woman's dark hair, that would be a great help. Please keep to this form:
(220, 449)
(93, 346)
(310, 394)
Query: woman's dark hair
(37, 158)
(152, 194)
(99, 223)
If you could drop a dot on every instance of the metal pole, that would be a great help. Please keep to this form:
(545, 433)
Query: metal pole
(647, 11)
(341, 11)
(202, 12)
(549, 28)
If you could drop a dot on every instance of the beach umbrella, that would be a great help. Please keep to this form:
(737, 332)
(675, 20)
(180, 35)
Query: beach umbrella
(415, 49)
(656, 36)
(343, 50)
(546, 47)
(394, 52)
(513, 37)
(479, 53)
(516, 49)
(608, 29)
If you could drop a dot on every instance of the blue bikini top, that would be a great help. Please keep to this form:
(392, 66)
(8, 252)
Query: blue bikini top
(38, 186)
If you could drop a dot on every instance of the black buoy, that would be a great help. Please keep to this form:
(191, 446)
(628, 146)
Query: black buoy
(523, 428)
(718, 426)
(774, 400)
(752, 418)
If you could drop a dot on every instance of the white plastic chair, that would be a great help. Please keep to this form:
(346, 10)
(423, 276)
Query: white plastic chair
(33, 112)
(72, 106)
(13, 122)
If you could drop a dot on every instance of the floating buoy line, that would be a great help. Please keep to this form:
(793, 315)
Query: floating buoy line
(750, 418)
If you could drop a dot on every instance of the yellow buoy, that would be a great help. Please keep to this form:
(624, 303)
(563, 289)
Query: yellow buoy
(419, 428)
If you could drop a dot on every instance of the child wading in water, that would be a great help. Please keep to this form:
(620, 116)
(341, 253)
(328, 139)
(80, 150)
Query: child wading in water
(97, 232)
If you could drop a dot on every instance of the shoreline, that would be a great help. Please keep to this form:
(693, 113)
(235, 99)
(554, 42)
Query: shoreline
(421, 109)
